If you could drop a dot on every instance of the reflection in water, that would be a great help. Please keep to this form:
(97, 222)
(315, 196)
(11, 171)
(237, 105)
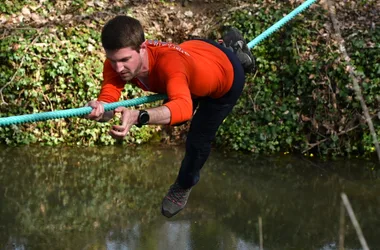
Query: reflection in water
(129, 241)
(109, 198)
(171, 235)
(175, 233)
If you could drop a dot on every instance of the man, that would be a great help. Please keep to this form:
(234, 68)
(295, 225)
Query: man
(196, 72)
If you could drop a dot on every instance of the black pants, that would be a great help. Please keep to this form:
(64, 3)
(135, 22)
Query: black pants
(205, 123)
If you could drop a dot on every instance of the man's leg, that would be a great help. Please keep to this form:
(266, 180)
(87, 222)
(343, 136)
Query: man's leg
(203, 128)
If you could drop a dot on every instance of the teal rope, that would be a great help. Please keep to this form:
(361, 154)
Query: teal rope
(133, 102)
(77, 111)
(280, 23)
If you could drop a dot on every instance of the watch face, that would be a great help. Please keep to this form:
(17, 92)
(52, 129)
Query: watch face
(144, 117)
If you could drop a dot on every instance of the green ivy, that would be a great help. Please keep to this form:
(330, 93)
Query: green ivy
(300, 100)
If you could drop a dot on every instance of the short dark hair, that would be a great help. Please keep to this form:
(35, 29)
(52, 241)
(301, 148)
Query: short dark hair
(121, 32)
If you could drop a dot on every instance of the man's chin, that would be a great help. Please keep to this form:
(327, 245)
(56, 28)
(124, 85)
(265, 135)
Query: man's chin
(126, 78)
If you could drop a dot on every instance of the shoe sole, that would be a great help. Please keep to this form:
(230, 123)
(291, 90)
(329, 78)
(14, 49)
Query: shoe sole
(233, 34)
(168, 214)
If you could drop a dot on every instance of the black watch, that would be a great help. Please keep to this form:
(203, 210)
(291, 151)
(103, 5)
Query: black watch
(143, 118)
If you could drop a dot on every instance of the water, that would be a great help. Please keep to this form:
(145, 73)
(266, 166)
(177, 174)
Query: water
(109, 198)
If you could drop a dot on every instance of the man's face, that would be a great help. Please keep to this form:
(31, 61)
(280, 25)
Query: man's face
(126, 62)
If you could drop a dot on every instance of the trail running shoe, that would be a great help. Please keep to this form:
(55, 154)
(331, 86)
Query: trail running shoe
(175, 200)
(234, 40)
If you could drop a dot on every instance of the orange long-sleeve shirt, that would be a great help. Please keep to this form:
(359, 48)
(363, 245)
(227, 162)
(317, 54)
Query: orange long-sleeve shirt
(189, 70)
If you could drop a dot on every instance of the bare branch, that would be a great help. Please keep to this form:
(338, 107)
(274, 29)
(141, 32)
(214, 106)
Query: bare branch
(261, 233)
(352, 73)
(354, 221)
(312, 145)
(19, 67)
(341, 226)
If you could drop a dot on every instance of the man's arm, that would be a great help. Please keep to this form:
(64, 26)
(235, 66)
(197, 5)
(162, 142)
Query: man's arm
(110, 92)
(159, 115)
(98, 113)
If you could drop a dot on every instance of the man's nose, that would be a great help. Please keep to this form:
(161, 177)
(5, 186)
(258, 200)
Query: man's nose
(119, 67)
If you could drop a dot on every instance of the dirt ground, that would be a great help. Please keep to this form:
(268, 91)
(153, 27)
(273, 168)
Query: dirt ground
(177, 20)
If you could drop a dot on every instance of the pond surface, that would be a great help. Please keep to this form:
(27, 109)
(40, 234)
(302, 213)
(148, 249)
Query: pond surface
(110, 198)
